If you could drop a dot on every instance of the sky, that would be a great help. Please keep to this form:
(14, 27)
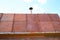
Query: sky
(22, 6)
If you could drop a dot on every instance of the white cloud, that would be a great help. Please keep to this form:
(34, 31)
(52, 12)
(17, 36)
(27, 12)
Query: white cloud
(42, 10)
(35, 7)
(42, 1)
(38, 9)
(28, 1)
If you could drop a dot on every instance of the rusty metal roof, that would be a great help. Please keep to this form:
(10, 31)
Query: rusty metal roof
(33, 38)
(29, 23)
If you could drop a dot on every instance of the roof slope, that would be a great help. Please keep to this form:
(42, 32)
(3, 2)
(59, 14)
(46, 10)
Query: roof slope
(29, 23)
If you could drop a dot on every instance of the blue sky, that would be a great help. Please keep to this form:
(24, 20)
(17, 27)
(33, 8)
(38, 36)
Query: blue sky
(22, 6)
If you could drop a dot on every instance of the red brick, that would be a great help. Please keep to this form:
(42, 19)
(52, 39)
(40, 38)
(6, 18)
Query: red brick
(32, 23)
(44, 17)
(5, 26)
(20, 17)
(19, 26)
(54, 17)
(56, 26)
(46, 27)
(7, 17)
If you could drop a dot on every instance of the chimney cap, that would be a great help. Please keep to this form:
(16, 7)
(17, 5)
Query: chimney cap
(30, 8)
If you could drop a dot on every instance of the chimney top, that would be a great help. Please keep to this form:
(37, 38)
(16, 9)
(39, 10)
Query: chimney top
(30, 8)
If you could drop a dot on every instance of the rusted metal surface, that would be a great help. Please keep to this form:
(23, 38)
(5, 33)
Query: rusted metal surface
(44, 17)
(33, 23)
(20, 17)
(19, 27)
(30, 23)
(5, 26)
(1, 16)
(59, 19)
(29, 35)
(46, 27)
(19, 23)
(7, 17)
(32, 38)
(54, 17)
(56, 26)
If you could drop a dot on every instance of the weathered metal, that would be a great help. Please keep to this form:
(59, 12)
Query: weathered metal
(37, 24)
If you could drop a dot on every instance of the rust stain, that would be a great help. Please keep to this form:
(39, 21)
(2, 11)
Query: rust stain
(7, 17)
(20, 17)
(19, 27)
(32, 23)
(46, 27)
(54, 17)
(44, 17)
(29, 23)
(5, 26)
(56, 26)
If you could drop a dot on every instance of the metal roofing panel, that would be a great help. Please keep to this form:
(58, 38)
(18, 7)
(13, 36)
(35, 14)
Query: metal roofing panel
(57, 38)
(56, 26)
(32, 23)
(33, 38)
(42, 38)
(20, 17)
(7, 17)
(29, 23)
(1, 16)
(46, 27)
(59, 19)
(54, 17)
(44, 17)
(6, 26)
(19, 27)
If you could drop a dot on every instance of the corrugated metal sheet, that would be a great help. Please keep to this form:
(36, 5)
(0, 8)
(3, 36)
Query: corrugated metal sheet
(6, 26)
(29, 23)
(32, 23)
(0, 16)
(7, 17)
(46, 27)
(19, 27)
(44, 38)
(20, 17)
(54, 17)
(19, 23)
(44, 17)
(56, 26)
(33, 38)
